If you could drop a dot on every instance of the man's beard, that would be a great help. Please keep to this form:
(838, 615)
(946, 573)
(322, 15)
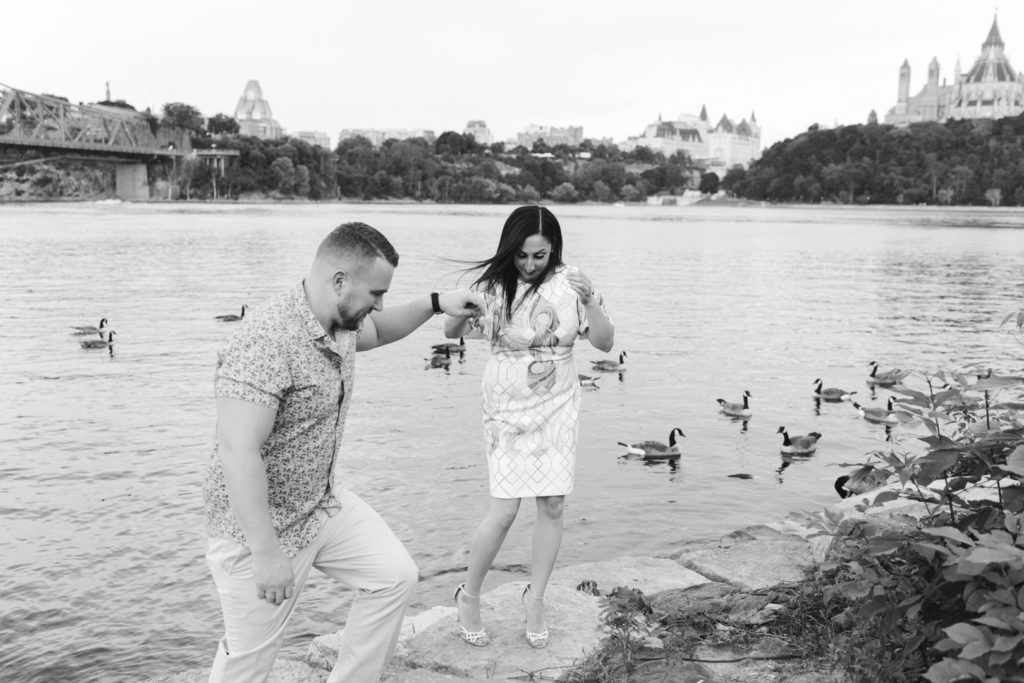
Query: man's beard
(352, 323)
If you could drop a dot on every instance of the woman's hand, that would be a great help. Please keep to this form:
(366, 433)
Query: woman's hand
(581, 284)
(462, 303)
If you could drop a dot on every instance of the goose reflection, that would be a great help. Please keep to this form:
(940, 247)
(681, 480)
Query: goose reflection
(788, 460)
(673, 465)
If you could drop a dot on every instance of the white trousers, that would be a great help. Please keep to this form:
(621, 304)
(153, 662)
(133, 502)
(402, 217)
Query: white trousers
(355, 547)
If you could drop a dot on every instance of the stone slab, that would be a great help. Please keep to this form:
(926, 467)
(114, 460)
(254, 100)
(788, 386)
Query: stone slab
(647, 574)
(573, 620)
(284, 671)
(752, 558)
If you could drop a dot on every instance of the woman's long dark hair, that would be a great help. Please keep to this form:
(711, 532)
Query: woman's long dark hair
(499, 271)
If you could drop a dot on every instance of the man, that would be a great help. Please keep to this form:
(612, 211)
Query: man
(274, 508)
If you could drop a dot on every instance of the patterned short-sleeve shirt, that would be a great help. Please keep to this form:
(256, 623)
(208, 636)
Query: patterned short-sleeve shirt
(281, 357)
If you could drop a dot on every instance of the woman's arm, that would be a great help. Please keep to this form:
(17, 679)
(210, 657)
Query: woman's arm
(600, 331)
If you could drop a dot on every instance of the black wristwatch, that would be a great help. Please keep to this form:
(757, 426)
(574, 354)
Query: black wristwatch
(435, 302)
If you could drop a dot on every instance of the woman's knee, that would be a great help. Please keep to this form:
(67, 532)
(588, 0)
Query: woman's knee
(551, 506)
(502, 514)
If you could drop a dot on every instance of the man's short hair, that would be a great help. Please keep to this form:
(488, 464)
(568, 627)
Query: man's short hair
(360, 240)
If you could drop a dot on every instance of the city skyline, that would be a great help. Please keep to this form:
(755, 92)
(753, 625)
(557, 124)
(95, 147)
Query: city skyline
(328, 67)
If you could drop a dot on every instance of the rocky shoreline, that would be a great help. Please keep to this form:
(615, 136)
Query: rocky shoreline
(746, 564)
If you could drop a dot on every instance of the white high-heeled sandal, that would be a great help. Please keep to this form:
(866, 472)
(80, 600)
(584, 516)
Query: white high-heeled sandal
(536, 640)
(475, 638)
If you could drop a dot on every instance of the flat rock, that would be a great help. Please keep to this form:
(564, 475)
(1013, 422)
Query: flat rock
(752, 558)
(719, 601)
(647, 574)
(423, 676)
(573, 620)
(285, 671)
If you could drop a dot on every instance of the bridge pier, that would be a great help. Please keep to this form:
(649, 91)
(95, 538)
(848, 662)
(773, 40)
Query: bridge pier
(132, 182)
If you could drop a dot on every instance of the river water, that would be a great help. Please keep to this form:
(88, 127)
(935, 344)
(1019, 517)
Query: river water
(102, 575)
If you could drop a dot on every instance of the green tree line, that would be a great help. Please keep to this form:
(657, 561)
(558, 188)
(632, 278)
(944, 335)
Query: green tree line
(964, 162)
(454, 168)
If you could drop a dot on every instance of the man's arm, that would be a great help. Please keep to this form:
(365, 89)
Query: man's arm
(242, 428)
(393, 323)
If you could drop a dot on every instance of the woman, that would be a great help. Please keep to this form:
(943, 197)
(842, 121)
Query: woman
(536, 308)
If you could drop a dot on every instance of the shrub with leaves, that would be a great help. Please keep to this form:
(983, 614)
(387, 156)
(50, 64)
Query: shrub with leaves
(941, 597)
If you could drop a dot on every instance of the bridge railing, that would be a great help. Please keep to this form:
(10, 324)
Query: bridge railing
(31, 120)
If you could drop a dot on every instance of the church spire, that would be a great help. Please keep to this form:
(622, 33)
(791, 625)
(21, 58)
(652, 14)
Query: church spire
(994, 39)
(703, 112)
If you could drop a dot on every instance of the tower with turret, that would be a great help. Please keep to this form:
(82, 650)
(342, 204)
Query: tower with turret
(989, 89)
(903, 96)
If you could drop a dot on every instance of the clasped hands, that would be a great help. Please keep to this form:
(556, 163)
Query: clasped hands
(462, 303)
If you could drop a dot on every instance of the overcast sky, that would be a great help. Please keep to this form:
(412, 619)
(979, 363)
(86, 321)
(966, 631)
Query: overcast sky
(609, 67)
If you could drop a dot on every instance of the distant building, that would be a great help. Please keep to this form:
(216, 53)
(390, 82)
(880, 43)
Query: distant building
(990, 89)
(480, 132)
(314, 137)
(551, 135)
(377, 136)
(253, 114)
(718, 147)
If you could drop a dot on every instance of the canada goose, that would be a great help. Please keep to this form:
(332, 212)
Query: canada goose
(798, 445)
(440, 360)
(887, 378)
(451, 346)
(736, 409)
(99, 343)
(862, 481)
(610, 365)
(90, 329)
(656, 450)
(588, 382)
(878, 415)
(831, 394)
(231, 317)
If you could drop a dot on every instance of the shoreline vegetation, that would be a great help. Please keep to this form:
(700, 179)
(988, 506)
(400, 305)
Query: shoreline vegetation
(920, 578)
(959, 162)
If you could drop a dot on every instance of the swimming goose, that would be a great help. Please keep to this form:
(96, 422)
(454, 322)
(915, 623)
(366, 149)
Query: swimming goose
(99, 343)
(887, 378)
(736, 409)
(878, 415)
(231, 317)
(90, 329)
(588, 382)
(440, 360)
(798, 445)
(451, 346)
(656, 450)
(862, 481)
(832, 394)
(610, 365)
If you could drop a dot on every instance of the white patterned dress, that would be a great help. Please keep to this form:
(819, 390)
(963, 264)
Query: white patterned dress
(531, 392)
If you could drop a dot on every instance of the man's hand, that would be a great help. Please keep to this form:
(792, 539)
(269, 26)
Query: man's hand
(272, 572)
(462, 303)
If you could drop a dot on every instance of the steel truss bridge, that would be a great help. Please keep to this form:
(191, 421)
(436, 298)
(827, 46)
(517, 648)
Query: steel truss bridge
(49, 126)
(50, 123)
